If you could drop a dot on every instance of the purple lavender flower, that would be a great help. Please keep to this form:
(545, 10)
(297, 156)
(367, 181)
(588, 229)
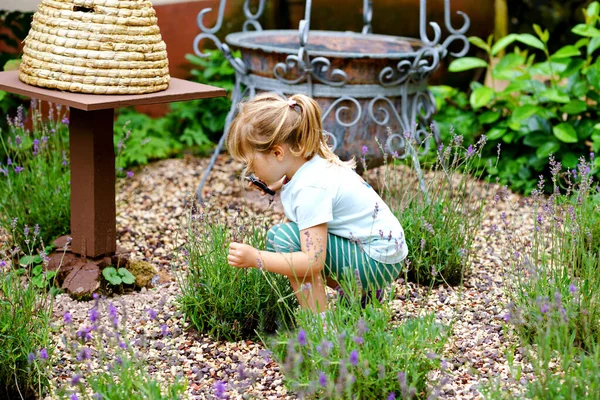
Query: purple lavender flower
(75, 380)
(84, 354)
(220, 388)
(322, 379)
(112, 313)
(2, 264)
(18, 169)
(358, 339)
(67, 317)
(164, 330)
(43, 354)
(130, 174)
(30, 358)
(391, 396)
(4, 171)
(84, 334)
(470, 151)
(302, 337)
(9, 162)
(572, 288)
(123, 345)
(544, 308)
(354, 357)
(74, 397)
(18, 140)
(93, 314)
(152, 314)
(65, 121)
(364, 150)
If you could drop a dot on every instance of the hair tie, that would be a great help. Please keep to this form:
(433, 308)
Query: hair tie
(292, 103)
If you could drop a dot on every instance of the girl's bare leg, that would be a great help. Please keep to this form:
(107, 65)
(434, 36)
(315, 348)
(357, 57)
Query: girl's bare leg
(310, 296)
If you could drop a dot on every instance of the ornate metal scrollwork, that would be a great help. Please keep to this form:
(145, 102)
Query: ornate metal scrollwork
(252, 18)
(343, 108)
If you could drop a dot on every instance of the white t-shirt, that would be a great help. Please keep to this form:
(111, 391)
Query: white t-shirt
(322, 192)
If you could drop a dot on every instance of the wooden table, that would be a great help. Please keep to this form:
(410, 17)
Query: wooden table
(93, 210)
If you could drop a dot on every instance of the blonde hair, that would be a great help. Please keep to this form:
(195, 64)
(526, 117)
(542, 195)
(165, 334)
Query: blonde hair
(268, 120)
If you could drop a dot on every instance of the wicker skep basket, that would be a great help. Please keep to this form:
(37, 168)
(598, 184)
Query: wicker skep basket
(95, 46)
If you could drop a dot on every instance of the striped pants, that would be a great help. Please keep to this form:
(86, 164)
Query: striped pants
(344, 258)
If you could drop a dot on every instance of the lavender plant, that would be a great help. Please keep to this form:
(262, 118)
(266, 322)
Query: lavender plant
(355, 352)
(25, 313)
(226, 302)
(554, 286)
(34, 176)
(442, 212)
(119, 370)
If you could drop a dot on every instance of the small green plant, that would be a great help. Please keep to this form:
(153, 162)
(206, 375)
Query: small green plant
(227, 302)
(25, 315)
(40, 278)
(350, 352)
(554, 286)
(547, 107)
(118, 276)
(122, 372)
(441, 211)
(34, 176)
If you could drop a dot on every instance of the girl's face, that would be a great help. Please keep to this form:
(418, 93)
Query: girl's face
(269, 167)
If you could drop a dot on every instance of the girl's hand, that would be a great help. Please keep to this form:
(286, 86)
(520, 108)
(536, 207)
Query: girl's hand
(276, 186)
(242, 255)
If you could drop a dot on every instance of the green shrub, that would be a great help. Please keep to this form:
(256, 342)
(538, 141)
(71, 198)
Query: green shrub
(554, 290)
(351, 352)
(35, 177)
(440, 213)
(120, 371)
(25, 314)
(227, 302)
(190, 125)
(548, 107)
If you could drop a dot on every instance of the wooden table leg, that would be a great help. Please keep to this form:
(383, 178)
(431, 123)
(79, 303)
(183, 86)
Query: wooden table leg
(93, 210)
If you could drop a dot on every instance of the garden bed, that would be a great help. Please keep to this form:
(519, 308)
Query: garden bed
(151, 207)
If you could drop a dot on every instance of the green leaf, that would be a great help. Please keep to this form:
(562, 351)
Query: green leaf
(565, 133)
(569, 160)
(517, 86)
(2, 95)
(593, 45)
(38, 281)
(566, 52)
(481, 97)
(12, 65)
(593, 9)
(37, 259)
(50, 274)
(37, 270)
(596, 142)
(574, 107)
(555, 95)
(574, 66)
(489, 117)
(126, 276)
(496, 133)
(530, 40)
(585, 30)
(110, 274)
(537, 139)
(522, 113)
(479, 43)
(467, 63)
(26, 260)
(546, 149)
(503, 43)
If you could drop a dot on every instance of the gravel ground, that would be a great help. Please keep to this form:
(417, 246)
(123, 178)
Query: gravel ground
(151, 207)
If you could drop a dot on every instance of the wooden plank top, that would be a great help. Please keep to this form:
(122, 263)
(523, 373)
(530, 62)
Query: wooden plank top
(178, 90)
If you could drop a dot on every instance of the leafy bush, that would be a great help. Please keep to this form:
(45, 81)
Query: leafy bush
(227, 302)
(25, 314)
(548, 107)
(441, 212)
(351, 352)
(190, 125)
(35, 177)
(120, 372)
(554, 287)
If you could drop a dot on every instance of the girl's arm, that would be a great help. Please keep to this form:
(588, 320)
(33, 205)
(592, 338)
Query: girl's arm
(300, 264)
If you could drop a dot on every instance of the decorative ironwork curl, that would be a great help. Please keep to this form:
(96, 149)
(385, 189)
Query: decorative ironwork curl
(466, 24)
(450, 39)
(252, 18)
(219, 22)
(333, 139)
(337, 76)
(341, 109)
(235, 62)
(292, 62)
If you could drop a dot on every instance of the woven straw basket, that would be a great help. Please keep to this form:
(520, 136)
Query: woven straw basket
(95, 46)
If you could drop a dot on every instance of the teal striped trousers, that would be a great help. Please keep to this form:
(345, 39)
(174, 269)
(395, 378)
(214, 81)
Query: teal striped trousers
(344, 257)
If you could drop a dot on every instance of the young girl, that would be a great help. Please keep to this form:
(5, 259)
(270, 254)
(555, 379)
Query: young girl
(339, 224)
